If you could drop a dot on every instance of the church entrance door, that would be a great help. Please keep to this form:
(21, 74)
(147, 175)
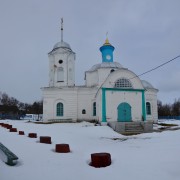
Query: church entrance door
(124, 112)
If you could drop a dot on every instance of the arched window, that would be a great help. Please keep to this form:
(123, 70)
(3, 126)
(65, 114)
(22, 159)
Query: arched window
(60, 74)
(83, 111)
(148, 108)
(59, 109)
(123, 83)
(94, 109)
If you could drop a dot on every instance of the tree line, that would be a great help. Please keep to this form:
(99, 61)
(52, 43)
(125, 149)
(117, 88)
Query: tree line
(12, 107)
(169, 109)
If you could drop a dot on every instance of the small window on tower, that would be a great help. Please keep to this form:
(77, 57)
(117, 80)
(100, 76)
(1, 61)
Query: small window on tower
(60, 74)
(60, 61)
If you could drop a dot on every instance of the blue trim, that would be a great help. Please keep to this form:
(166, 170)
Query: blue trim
(143, 107)
(104, 105)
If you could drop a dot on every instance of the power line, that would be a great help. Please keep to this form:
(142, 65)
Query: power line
(156, 67)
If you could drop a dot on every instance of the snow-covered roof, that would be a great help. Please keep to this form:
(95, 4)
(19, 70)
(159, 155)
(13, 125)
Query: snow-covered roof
(115, 65)
(147, 85)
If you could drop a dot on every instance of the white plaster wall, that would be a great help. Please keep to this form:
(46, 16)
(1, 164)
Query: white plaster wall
(114, 98)
(97, 77)
(123, 73)
(92, 79)
(103, 73)
(86, 97)
(71, 75)
(53, 96)
(99, 105)
(68, 58)
(74, 99)
(151, 96)
(51, 71)
(47, 108)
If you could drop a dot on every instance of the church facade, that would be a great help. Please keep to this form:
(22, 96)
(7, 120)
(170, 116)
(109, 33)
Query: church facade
(111, 92)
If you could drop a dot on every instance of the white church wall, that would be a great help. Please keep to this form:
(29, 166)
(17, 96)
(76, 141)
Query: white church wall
(103, 73)
(71, 73)
(123, 73)
(92, 79)
(47, 108)
(75, 100)
(99, 105)
(68, 66)
(63, 65)
(97, 77)
(151, 97)
(114, 98)
(51, 71)
(69, 99)
(86, 97)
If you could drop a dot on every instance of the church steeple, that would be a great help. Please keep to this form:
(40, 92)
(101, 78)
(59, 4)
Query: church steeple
(61, 64)
(107, 51)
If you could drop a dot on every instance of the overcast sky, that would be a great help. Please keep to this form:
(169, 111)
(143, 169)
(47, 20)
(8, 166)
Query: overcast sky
(145, 34)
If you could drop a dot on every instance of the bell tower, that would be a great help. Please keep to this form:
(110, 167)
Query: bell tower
(61, 64)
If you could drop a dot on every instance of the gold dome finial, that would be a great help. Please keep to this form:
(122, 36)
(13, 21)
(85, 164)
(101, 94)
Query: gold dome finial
(107, 40)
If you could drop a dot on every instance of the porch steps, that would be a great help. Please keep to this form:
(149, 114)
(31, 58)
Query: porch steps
(134, 128)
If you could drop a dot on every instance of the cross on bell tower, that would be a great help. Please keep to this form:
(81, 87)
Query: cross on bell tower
(61, 29)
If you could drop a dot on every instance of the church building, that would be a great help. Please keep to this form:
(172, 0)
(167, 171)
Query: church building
(111, 93)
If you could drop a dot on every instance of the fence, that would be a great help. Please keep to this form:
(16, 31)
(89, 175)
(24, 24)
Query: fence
(8, 116)
(169, 117)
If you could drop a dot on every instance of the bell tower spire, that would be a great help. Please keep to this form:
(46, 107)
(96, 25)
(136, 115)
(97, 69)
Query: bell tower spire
(61, 29)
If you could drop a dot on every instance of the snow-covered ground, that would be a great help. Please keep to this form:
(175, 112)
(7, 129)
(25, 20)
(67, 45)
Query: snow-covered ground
(150, 156)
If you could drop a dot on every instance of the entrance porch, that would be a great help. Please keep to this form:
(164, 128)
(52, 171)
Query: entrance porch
(132, 127)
